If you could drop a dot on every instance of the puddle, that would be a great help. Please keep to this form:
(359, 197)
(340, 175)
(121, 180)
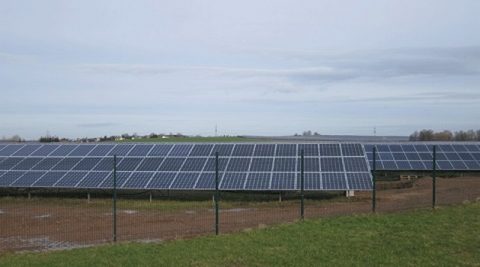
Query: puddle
(129, 211)
(2, 212)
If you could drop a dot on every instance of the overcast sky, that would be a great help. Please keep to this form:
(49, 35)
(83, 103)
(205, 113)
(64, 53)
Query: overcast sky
(91, 68)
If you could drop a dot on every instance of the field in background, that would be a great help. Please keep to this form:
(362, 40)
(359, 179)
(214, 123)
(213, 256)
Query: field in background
(444, 237)
(220, 139)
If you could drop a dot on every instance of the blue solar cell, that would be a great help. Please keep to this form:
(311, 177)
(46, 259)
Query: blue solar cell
(465, 156)
(63, 150)
(313, 181)
(160, 150)
(258, 181)
(243, 150)
(66, 164)
(383, 148)
(330, 150)
(238, 164)
(286, 150)
(161, 180)
(331, 164)
(310, 165)
(309, 150)
(106, 164)
(27, 179)
(185, 180)
(129, 164)
(334, 181)
(101, 150)
(82, 150)
(45, 150)
(385, 156)
(355, 164)
(93, 179)
(359, 181)
(417, 165)
(9, 163)
(87, 164)
(472, 148)
(171, 164)
(140, 151)
(283, 181)
(444, 165)
(389, 165)
(399, 156)
(26, 150)
(201, 150)
(46, 164)
(458, 165)
(10, 150)
(409, 148)
(194, 164)
(423, 148)
(224, 150)
(284, 165)
(261, 165)
(428, 164)
(206, 181)
(425, 156)
(120, 150)
(9, 177)
(233, 181)
(452, 156)
(368, 148)
(396, 148)
(476, 156)
(210, 167)
(181, 150)
(445, 148)
(412, 156)
(472, 165)
(49, 179)
(352, 150)
(459, 148)
(122, 177)
(264, 150)
(150, 164)
(70, 179)
(441, 156)
(403, 165)
(138, 180)
(27, 163)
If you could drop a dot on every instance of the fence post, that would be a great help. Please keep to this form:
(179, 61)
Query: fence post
(302, 186)
(114, 211)
(216, 197)
(434, 176)
(374, 179)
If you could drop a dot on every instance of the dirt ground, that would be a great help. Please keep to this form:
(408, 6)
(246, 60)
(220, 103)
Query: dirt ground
(51, 225)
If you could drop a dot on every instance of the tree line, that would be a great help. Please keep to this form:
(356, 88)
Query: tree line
(446, 135)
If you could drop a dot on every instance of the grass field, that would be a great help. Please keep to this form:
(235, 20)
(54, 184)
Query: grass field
(446, 236)
(194, 139)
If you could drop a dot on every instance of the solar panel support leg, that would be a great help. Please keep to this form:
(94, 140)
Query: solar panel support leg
(29, 195)
(88, 197)
(151, 197)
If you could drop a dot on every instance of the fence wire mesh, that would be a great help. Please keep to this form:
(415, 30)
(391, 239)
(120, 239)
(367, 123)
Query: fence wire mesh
(48, 220)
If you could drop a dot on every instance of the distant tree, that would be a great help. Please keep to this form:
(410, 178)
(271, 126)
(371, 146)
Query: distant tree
(49, 139)
(307, 133)
(443, 136)
(316, 134)
(415, 136)
(425, 135)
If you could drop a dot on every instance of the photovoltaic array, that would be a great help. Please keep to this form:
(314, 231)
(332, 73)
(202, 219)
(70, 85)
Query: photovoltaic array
(247, 166)
(419, 156)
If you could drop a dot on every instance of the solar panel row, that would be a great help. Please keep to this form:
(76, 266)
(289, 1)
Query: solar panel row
(449, 157)
(185, 166)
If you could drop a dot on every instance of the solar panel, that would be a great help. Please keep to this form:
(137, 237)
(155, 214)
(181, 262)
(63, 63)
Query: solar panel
(418, 156)
(244, 166)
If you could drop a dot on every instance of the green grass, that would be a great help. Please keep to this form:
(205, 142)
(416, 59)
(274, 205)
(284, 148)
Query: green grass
(447, 237)
(194, 139)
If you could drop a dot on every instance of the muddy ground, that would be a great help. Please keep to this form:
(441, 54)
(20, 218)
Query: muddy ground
(47, 225)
